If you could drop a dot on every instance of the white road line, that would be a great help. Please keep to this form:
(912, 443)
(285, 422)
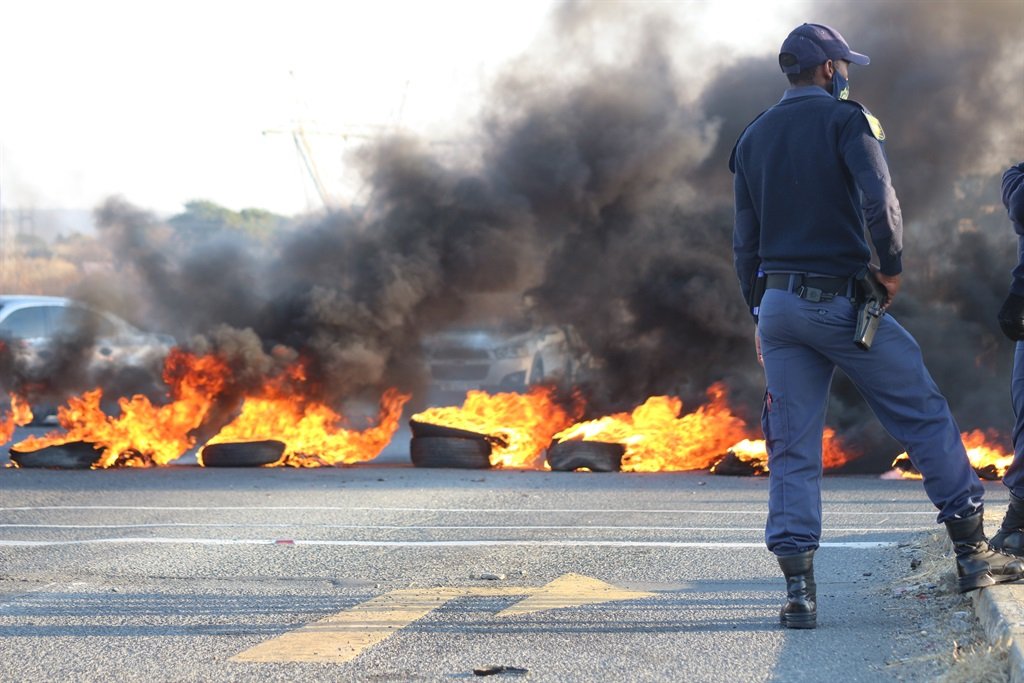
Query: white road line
(861, 545)
(418, 527)
(343, 508)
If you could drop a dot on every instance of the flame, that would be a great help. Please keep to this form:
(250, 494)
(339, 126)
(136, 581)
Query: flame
(755, 452)
(986, 457)
(522, 424)
(144, 434)
(20, 414)
(314, 434)
(658, 439)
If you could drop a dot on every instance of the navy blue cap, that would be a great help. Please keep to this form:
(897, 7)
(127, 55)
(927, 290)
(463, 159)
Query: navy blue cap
(814, 44)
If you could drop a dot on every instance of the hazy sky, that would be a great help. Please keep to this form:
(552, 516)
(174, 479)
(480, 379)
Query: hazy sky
(166, 102)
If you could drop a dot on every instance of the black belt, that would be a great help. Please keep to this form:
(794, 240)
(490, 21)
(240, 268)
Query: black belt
(810, 287)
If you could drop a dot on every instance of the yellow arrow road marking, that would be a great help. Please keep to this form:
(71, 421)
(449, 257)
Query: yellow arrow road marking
(342, 637)
(571, 590)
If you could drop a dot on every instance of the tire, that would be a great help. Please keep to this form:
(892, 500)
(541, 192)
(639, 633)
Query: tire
(426, 429)
(732, 466)
(442, 451)
(77, 455)
(242, 454)
(597, 456)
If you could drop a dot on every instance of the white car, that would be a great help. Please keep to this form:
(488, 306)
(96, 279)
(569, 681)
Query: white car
(501, 359)
(38, 328)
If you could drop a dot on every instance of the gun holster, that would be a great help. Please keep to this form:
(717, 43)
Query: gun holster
(870, 299)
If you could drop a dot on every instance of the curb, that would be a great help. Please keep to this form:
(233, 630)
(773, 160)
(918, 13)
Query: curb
(1000, 609)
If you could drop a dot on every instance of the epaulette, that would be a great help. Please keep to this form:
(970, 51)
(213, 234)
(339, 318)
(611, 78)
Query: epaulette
(732, 155)
(873, 123)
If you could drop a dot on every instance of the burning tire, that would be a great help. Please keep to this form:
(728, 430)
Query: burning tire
(77, 455)
(427, 429)
(733, 466)
(446, 451)
(597, 456)
(242, 454)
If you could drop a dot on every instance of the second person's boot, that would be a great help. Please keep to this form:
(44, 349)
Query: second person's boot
(1010, 537)
(977, 565)
(801, 608)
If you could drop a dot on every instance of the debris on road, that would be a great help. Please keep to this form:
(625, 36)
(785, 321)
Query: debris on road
(488, 576)
(500, 669)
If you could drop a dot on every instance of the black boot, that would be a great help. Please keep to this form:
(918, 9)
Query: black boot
(801, 608)
(1010, 537)
(977, 565)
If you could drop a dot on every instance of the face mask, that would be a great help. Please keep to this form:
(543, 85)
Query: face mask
(840, 86)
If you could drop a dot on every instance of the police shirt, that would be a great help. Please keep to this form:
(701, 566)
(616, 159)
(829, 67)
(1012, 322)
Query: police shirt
(810, 173)
(1013, 198)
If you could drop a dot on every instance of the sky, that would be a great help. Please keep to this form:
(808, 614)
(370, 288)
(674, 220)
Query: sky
(162, 103)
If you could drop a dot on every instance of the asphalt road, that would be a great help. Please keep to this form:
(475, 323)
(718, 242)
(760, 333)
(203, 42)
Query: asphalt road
(387, 572)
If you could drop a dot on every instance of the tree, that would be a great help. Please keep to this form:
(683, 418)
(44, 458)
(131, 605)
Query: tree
(203, 218)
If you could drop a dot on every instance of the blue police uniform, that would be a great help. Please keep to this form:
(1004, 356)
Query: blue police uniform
(1013, 198)
(809, 174)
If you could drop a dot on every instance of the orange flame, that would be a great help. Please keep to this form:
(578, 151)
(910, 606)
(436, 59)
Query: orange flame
(19, 415)
(314, 434)
(658, 439)
(143, 435)
(987, 458)
(755, 452)
(523, 423)
(752, 452)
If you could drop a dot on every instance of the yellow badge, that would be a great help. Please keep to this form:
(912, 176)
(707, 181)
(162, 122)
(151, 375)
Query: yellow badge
(876, 126)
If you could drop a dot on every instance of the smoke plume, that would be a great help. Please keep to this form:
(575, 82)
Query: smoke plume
(596, 184)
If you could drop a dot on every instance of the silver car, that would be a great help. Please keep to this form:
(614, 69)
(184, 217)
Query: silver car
(36, 323)
(63, 346)
(498, 359)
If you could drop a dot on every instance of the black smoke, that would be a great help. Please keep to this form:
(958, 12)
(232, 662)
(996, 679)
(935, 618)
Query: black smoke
(596, 184)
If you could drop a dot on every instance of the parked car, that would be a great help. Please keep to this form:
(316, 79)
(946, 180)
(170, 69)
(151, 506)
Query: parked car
(38, 321)
(39, 328)
(505, 358)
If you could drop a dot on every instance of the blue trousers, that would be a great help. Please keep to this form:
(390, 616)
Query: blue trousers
(1014, 478)
(802, 343)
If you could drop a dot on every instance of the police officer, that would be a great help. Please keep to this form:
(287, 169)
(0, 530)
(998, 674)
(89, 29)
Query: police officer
(809, 174)
(1010, 537)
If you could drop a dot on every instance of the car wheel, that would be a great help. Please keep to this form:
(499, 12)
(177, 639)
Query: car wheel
(242, 454)
(442, 451)
(597, 456)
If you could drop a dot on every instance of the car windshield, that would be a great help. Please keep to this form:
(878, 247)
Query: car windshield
(72, 320)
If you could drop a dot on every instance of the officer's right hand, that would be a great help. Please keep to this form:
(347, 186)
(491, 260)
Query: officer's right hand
(1011, 317)
(891, 284)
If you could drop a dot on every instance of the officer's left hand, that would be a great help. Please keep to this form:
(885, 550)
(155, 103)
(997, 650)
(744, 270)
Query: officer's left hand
(891, 284)
(1011, 317)
(757, 347)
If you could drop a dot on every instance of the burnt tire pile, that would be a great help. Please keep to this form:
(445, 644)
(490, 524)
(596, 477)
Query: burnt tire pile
(437, 446)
